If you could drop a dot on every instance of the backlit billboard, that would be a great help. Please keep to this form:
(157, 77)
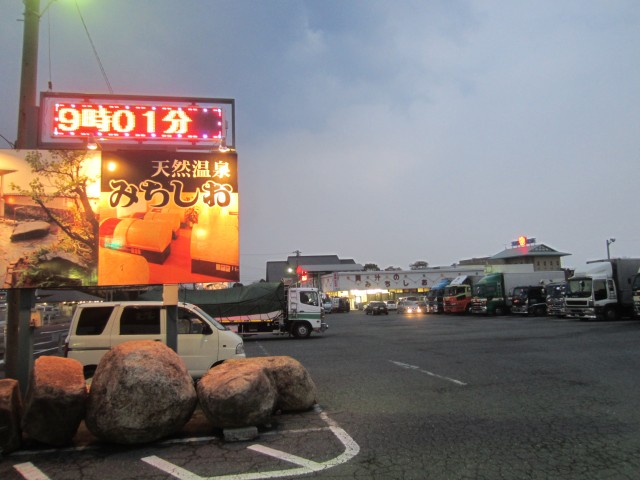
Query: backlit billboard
(72, 218)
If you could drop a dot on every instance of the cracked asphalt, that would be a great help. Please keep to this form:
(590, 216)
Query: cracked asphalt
(428, 397)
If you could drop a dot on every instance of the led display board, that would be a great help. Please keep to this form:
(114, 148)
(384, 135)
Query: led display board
(70, 120)
(133, 217)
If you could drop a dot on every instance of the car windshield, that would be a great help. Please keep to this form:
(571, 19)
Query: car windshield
(556, 291)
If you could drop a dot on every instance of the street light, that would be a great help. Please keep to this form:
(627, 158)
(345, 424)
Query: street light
(609, 242)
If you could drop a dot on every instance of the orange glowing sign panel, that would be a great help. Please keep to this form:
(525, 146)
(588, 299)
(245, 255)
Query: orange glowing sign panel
(143, 217)
(522, 241)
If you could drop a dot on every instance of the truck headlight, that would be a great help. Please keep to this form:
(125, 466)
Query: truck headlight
(240, 348)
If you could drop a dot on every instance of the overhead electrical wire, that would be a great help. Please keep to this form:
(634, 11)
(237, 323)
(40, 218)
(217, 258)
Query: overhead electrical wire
(95, 52)
(50, 82)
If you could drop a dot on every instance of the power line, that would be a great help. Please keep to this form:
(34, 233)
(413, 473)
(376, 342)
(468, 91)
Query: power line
(95, 52)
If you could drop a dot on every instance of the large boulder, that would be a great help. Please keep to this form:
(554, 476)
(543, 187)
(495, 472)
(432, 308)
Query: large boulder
(295, 388)
(140, 392)
(235, 395)
(246, 392)
(10, 414)
(55, 401)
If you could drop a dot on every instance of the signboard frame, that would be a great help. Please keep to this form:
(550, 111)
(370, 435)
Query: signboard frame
(47, 139)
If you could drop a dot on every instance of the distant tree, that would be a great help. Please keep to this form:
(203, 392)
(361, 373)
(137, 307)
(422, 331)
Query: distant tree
(392, 269)
(371, 267)
(62, 174)
(419, 265)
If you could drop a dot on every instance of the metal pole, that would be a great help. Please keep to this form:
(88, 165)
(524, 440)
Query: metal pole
(25, 343)
(27, 115)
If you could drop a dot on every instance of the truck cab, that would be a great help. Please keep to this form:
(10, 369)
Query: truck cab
(555, 298)
(457, 295)
(592, 295)
(488, 296)
(635, 286)
(435, 296)
(305, 312)
(457, 299)
(529, 300)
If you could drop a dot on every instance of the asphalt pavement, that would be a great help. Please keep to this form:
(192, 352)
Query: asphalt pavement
(414, 397)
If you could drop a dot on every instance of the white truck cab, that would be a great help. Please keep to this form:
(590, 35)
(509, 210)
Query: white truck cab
(98, 326)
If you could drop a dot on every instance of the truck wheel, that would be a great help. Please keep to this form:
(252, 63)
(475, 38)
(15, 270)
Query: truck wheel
(539, 312)
(301, 330)
(499, 311)
(610, 314)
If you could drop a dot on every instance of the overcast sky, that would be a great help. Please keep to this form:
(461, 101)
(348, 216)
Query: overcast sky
(386, 132)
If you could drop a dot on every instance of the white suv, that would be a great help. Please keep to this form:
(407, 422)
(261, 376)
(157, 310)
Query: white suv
(97, 327)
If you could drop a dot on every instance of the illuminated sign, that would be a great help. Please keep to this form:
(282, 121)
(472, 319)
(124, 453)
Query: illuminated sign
(144, 122)
(134, 217)
(71, 120)
(178, 211)
(523, 241)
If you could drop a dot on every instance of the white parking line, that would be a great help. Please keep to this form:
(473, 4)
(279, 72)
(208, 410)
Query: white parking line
(287, 457)
(414, 367)
(171, 469)
(306, 466)
(30, 472)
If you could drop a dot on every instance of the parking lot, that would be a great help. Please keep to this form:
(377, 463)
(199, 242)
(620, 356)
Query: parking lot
(415, 396)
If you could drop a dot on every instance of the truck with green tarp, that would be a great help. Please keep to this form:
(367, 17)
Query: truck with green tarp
(259, 308)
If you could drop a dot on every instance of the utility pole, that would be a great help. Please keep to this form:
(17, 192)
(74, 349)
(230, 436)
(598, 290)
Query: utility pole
(28, 109)
(609, 242)
(19, 338)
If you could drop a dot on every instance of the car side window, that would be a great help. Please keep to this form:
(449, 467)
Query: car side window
(309, 298)
(140, 321)
(189, 323)
(92, 321)
(599, 290)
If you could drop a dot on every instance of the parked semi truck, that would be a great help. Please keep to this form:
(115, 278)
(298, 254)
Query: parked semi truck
(555, 298)
(635, 285)
(529, 300)
(435, 297)
(603, 290)
(491, 293)
(260, 308)
(457, 295)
